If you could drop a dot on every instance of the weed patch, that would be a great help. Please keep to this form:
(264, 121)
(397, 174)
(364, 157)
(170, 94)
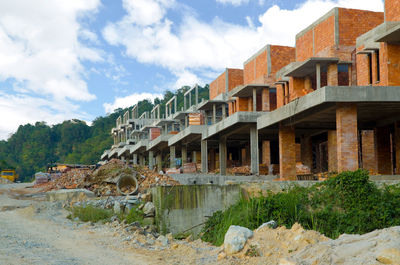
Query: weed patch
(90, 214)
(348, 203)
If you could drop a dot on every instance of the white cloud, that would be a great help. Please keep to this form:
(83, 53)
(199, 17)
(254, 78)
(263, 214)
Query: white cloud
(130, 100)
(23, 109)
(194, 46)
(41, 52)
(233, 2)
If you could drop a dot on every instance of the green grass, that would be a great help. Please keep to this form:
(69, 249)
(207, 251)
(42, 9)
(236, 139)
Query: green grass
(348, 203)
(90, 214)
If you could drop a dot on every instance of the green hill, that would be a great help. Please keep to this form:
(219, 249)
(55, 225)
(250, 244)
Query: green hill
(32, 147)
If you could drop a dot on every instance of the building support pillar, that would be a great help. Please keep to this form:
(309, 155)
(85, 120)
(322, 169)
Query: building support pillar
(287, 153)
(184, 154)
(214, 117)
(254, 99)
(254, 152)
(332, 151)
(151, 158)
(194, 157)
(347, 137)
(368, 152)
(222, 155)
(135, 159)
(318, 75)
(204, 157)
(159, 162)
(172, 156)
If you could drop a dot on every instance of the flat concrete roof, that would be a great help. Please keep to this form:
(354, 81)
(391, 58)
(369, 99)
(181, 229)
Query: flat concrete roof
(105, 154)
(159, 143)
(308, 67)
(142, 144)
(188, 132)
(377, 106)
(390, 33)
(231, 123)
(180, 115)
(163, 122)
(247, 90)
(148, 127)
(208, 105)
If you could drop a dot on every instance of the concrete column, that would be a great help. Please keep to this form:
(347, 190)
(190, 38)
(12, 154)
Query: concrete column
(223, 111)
(159, 113)
(212, 159)
(166, 129)
(159, 162)
(214, 120)
(172, 155)
(332, 75)
(332, 151)
(347, 136)
(318, 75)
(196, 95)
(175, 105)
(194, 155)
(190, 99)
(287, 153)
(135, 159)
(265, 98)
(306, 152)
(184, 102)
(184, 154)
(368, 152)
(222, 155)
(266, 153)
(383, 150)
(166, 111)
(254, 152)
(186, 121)
(204, 156)
(151, 158)
(254, 99)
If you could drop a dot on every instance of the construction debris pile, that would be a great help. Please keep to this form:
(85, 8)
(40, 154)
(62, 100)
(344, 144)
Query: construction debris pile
(102, 181)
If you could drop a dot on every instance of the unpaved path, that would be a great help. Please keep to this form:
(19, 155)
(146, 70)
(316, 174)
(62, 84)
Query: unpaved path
(34, 232)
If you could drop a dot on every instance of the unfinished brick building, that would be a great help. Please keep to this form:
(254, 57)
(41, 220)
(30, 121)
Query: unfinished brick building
(330, 104)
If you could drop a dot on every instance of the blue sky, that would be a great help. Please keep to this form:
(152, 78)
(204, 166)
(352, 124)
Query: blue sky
(83, 58)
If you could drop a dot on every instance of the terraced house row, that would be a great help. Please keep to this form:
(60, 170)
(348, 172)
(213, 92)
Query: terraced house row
(330, 104)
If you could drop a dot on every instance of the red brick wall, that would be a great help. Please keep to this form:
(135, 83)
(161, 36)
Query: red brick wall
(304, 46)
(242, 104)
(393, 64)
(215, 86)
(154, 133)
(279, 95)
(332, 75)
(324, 35)
(392, 10)
(368, 151)
(354, 22)
(347, 136)
(287, 153)
(280, 57)
(249, 72)
(235, 78)
(266, 153)
(296, 88)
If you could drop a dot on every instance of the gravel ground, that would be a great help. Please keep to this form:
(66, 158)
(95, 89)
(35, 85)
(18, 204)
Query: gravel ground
(33, 231)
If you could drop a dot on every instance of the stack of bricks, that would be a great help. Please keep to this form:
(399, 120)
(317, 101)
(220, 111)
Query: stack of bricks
(196, 119)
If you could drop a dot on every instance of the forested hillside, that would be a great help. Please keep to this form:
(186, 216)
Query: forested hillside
(33, 146)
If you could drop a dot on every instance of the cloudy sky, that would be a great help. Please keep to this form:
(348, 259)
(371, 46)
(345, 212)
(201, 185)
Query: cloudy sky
(84, 58)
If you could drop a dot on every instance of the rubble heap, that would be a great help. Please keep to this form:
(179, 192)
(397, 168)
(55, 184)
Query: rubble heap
(102, 181)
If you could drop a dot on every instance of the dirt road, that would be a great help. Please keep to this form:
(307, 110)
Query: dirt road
(33, 231)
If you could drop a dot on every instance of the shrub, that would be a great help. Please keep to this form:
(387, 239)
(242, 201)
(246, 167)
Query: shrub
(348, 203)
(90, 214)
(134, 215)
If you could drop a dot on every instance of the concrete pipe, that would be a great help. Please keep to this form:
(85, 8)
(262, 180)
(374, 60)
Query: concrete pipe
(127, 185)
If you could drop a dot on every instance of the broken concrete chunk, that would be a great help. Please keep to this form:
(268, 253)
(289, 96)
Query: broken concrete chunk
(149, 209)
(236, 238)
(69, 195)
(163, 240)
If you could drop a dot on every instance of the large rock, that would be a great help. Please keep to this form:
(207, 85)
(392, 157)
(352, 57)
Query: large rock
(236, 238)
(149, 209)
(69, 195)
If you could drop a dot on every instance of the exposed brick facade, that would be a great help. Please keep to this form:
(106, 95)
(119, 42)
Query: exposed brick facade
(368, 151)
(347, 136)
(154, 133)
(392, 10)
(219, 85)
(306, 152)
(287, 153)
(332, 75)
(266, 153)
(332, 151)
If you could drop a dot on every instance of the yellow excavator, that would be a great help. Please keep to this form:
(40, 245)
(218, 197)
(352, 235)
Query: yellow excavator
(9, 174)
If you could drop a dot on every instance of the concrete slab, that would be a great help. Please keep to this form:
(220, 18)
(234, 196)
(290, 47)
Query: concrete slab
(69, 195)
(140, 146)
(208, 105)
(247, 90)
(308, 67)
(390, 33)
(238, 118)
(187, 133)
(159, 143)
(375, 104)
